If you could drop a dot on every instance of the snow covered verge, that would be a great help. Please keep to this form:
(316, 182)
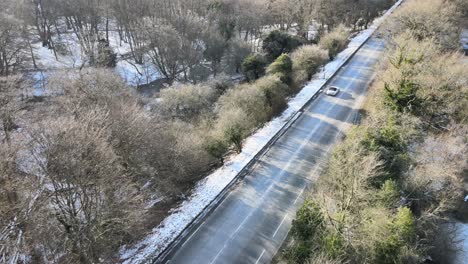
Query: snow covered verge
(209, 190)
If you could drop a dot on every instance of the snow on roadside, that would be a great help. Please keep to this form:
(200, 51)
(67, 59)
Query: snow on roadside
(209, 188)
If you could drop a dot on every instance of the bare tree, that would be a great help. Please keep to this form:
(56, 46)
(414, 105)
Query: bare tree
(172, 52)
(22, 198)
(45, 17)
(84, 17)
(186, 102)
(11, 46)
(90, 196)
(11, 88)
(130, 17)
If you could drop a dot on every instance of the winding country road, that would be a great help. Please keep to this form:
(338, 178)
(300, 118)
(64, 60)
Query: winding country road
(253, 220)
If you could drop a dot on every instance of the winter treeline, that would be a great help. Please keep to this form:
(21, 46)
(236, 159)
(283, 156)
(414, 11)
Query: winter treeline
(97, 165)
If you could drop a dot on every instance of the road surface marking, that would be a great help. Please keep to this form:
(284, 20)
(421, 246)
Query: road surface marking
(297, 199)
(309, 136)
(347, 86)
(217, 255)
(196, 230)
(277, 229)
(357, 103)
(261, 255)
(241, 224)
(288, 164)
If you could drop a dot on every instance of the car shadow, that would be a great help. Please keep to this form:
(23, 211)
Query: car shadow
(345, 96)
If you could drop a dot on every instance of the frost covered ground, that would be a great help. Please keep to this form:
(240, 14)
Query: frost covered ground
(456, 237)
(209, 188)
(462, 236)
(69, 56)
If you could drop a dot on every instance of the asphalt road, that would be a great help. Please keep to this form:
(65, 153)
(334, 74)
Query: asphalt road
(251, 223)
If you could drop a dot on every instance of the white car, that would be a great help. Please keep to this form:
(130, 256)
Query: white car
(332, 91)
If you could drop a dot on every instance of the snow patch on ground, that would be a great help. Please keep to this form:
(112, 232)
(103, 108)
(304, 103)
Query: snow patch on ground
(461, 256)
(71, 57)
(209, 188)
(457, 233)
(137, 74)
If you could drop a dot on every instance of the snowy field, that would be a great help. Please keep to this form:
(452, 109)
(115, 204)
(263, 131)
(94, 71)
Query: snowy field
(209, 189)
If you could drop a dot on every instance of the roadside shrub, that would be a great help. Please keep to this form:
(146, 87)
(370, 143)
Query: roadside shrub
(388, 137)
(309, 223)
(387, 250)
(404, 224)
(402, 231)
(298, 253)
(390, 143)
(307, 60)
(186, 101)
(307, 230)
(335, 40)
(186, 159)
(235, 125)
(400, 88)
(372, 226)
(435, 20)
(323, 259)
(348, 175)
(279, 42)
(216, 147)
(248, 98)
(275, 92)
(333, 244)
(253, 66)
(388, 194)
(402, 96)
(241, 110)
(282, 67)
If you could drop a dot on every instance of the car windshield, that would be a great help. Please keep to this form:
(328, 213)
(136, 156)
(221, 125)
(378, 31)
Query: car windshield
(333, 88)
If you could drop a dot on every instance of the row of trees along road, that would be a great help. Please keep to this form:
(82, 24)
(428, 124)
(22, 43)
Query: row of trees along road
(77, 180)
(391, 186)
